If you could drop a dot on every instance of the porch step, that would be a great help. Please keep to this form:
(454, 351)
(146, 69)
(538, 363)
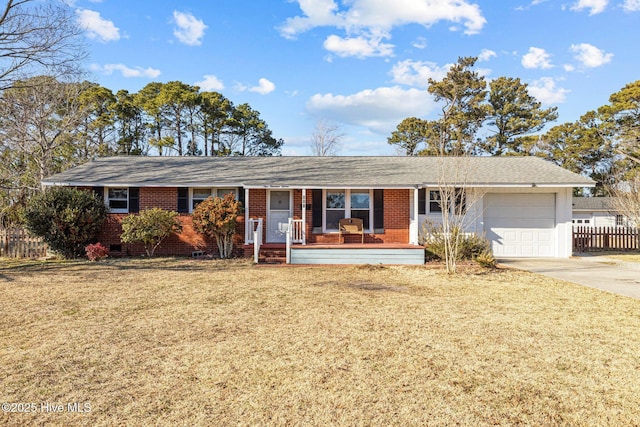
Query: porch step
(272, 256)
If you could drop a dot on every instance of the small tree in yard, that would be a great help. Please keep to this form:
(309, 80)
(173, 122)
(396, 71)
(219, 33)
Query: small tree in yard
(150, 227)
(216, 217)
(66, 218)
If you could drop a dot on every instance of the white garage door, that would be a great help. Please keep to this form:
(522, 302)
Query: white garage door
(520, 225)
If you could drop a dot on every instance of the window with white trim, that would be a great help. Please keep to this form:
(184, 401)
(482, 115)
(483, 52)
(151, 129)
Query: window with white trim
(335, 208)
(117, 199)
(619, 220)
(347, 203)
(361, 206)
(434, 201)
(457, 206)
(197, 195)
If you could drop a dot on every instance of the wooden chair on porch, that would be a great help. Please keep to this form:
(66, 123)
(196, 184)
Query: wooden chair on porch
(350, 226)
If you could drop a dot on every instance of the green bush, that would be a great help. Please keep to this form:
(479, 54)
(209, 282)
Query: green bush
(66, 218)
(150, 227)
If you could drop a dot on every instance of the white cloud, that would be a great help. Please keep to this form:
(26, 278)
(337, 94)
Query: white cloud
(360, 47)
(379, 109)
(97, 27)
(109, 69)
(546, 91)
(536, 58)
(189, 30)
(631, 5)
(590, 56)
(209, 83)
(421, 43)
(569, 68)
(594, 6)
(417, 73)
(486, 54)
(368, 19)
(264, 87)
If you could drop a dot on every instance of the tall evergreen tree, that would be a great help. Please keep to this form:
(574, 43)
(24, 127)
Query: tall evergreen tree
(513, 113)
(461, 93)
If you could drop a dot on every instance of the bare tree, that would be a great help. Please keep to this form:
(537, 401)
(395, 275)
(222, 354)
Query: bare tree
(39, 121)
(38, 38)
(459, 205)
(326, 138)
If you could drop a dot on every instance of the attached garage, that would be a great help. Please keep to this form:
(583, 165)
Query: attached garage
(521, 224)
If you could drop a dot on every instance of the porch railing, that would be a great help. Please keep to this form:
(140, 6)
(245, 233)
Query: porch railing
(253, 224)
(253, 235)
(297, 231)
(295, 234)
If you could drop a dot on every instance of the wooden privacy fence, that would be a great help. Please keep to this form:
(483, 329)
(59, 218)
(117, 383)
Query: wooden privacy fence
(605, 238)
(17, 243)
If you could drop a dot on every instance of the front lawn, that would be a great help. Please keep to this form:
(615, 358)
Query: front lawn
(183, 342)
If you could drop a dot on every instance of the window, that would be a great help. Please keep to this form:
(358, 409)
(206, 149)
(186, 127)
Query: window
(434, 201)
(118, 199)
(619, 220)
(347, 204)
(458, 204)
(221, 192)
(335, 208)
(200, 194)
(361, 206)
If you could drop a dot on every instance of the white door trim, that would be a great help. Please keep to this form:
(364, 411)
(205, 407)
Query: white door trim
(270, 232)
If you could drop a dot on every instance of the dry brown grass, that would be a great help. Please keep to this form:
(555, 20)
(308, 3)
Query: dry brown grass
(623, 256)
(181, 342)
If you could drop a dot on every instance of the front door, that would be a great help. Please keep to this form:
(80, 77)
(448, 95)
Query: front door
(279, 214)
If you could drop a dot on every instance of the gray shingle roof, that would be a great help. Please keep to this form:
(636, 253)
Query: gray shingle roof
(594, 204)
(318, 172)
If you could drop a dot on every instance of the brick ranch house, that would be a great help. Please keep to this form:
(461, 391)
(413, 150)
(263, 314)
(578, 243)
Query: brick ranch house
(522, 204)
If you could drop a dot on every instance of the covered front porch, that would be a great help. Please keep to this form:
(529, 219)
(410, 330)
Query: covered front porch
(301, 225)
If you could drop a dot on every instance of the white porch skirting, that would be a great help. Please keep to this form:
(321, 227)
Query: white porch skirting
(358, 254)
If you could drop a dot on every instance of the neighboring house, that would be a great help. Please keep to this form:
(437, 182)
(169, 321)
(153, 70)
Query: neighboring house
(597, 212)
(523, 204)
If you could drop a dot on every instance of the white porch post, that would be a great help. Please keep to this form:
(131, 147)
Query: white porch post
(304, 216)
(413, 228)
(246, 216)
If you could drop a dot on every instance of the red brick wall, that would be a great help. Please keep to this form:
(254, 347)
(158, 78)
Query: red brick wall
(177, 244)
(159, 197)
(396, 222)
(396, 216)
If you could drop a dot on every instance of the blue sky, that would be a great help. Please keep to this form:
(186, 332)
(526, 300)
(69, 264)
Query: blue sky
(363, 64)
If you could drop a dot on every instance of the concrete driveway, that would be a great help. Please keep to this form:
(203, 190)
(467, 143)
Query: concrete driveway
(599, 272)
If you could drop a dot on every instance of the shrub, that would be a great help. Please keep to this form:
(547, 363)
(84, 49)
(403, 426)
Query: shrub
(469, 245)
(485, 259)
(66, 218)
(150, 227)
(96, 252)
(216, 217)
